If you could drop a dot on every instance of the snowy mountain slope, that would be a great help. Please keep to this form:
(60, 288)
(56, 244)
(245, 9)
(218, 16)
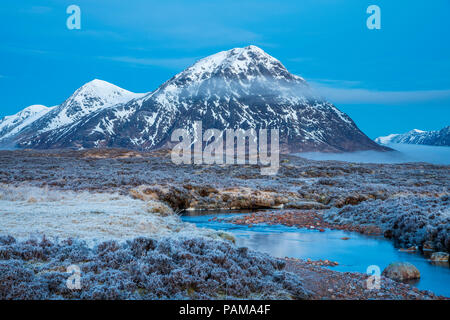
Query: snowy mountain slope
(11, 125)
(92, 97)
(415, 136)
(239, 88)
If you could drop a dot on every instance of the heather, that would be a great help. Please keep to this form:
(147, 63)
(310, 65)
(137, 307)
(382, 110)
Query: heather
(142, 268)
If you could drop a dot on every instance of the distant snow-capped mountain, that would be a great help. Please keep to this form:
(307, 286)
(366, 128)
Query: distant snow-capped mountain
(239, 88)
(92, 97)
(11, 125)
(432, 138)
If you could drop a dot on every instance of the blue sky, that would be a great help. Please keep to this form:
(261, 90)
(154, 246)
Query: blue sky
(389, 80)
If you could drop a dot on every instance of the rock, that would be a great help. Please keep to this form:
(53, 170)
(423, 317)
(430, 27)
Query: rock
(401, 271)
(177, 198)
(226, 236)
(428, 246)
(201, 197)
(440, 257)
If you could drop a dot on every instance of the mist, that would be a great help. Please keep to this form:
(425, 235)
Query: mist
(403, 153)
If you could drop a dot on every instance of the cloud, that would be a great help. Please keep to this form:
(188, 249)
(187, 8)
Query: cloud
(336, 83)
(172, 63)
(348, 92)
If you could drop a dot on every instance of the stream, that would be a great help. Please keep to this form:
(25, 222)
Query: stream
(354, 255)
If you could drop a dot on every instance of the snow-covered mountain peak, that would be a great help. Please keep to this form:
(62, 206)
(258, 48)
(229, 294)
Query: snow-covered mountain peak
(235, 58)
(239, 88)
(230, 76)
(245, 65)
(386, 139)
(91, 97)
(23, 114)
(99, 93)
(10, 125)
(416, 136)
(34, 109)
(101, 85)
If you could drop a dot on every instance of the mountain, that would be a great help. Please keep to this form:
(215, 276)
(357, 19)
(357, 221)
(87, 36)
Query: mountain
(11, 125)
(432, 138)
(239, 88)
(92, 97)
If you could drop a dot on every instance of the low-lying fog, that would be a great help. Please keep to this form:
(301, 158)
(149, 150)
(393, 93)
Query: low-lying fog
(404, 153)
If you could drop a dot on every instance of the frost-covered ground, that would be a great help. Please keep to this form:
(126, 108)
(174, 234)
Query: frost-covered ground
(34, 212)
(410, 220)
(119, 192)
(142, 268)
(106, 195)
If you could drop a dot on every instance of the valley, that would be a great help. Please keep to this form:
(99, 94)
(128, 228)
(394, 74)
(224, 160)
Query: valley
(103, 199)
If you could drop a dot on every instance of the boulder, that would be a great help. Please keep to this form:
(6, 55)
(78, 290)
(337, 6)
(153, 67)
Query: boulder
(226, 236)
(428, 246)
(439, 257)
(401, 271)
